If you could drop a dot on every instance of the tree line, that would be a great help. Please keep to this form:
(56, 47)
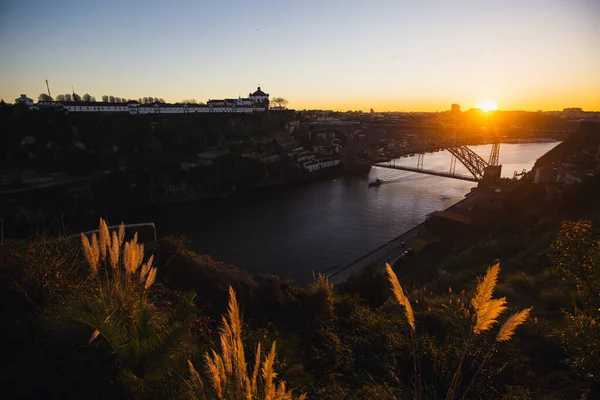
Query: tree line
(67, 97)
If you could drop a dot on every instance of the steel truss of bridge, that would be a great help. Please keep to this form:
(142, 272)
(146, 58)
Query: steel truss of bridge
(426, 171)
(471, 160)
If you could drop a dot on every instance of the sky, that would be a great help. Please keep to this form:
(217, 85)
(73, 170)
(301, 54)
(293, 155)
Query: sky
(396, 55)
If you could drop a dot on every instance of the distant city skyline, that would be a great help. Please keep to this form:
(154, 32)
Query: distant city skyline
(389, 55)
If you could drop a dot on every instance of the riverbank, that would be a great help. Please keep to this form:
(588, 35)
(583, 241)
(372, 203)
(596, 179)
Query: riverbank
(391, 251)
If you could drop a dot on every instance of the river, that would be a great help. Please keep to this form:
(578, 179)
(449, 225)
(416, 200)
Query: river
(294, 230)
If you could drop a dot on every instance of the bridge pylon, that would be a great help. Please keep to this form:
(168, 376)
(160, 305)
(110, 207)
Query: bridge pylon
(452, 164)
(494, 155)
(420, 160)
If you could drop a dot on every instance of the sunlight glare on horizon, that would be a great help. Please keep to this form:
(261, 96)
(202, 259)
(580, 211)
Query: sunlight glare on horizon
(488, 105)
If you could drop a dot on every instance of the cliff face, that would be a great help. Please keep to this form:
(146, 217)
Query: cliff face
(225, 177)
(52, 141)
(50, 207)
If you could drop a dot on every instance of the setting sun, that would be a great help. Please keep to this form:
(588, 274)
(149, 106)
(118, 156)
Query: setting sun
(487, 105)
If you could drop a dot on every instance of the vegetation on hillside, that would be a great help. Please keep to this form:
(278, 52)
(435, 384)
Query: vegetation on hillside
(103, 316)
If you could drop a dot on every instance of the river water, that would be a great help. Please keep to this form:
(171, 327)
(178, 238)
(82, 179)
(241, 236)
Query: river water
(292, 231)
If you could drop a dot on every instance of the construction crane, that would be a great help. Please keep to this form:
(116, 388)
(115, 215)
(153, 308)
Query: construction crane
(48, 87)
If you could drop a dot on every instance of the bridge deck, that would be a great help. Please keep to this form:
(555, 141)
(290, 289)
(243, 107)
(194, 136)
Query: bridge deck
(427, 171)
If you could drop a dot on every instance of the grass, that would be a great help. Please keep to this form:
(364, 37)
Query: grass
(228, 374)
(149, 342)
(369, 338)
(485, 311)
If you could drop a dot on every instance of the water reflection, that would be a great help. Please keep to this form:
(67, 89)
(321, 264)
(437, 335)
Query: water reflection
(314, 226)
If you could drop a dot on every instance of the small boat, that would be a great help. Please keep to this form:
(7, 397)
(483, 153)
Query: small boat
(376, 182)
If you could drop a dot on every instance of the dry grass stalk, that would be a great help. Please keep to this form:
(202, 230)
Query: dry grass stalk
(146, 268)
(151, 278)
(487, 310)
(91, 251)
(196, 380)
(128, 258)
(253, 387)
(104, 238)
(114, 251)
(121, 233)
(94, 336)
(488, 315)
(228, 372)
(133, 255)
(485, 287)
(269, 374)
(214, 373)
(400, 296)
(508, 329)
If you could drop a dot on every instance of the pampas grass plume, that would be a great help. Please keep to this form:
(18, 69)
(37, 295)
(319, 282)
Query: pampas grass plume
(196, 380)
(400, 296)
(114, 251)
(269, 374)
(104, 238)
(488, 315)
(91, 251)
(487, 309)
(151, 278)
(121, 233)
(508, 329)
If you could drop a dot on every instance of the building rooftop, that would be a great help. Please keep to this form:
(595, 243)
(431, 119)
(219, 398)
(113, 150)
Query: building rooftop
(259, 93)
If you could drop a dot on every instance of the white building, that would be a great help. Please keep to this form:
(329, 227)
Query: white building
(259, 96)
(255, 102)
(24, 100)
(312, 166)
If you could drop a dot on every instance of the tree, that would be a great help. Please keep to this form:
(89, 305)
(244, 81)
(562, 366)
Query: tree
(111, 99)
(279, 102)
(189, 101)
(44, 97)
(93, 99)
(68, 97)
(87, 97)
(60, 97)
(162, 100)
(76, 97)
(105, 98)
(145, 100)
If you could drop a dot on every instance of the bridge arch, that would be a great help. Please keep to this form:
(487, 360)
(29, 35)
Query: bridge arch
(467, 157)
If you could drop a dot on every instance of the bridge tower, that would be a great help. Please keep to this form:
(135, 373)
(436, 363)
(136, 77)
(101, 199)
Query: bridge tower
(494, 154)
(452, 165)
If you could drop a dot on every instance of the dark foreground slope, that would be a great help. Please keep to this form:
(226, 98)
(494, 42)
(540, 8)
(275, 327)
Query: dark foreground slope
(351, 341)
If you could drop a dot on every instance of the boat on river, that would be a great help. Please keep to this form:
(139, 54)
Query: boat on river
(376, 182)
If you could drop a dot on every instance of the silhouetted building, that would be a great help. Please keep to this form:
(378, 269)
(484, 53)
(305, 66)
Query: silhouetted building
(455, 108)
(24, 100)
(255, 102)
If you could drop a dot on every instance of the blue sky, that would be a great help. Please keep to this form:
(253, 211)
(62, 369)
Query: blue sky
(388, 55)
